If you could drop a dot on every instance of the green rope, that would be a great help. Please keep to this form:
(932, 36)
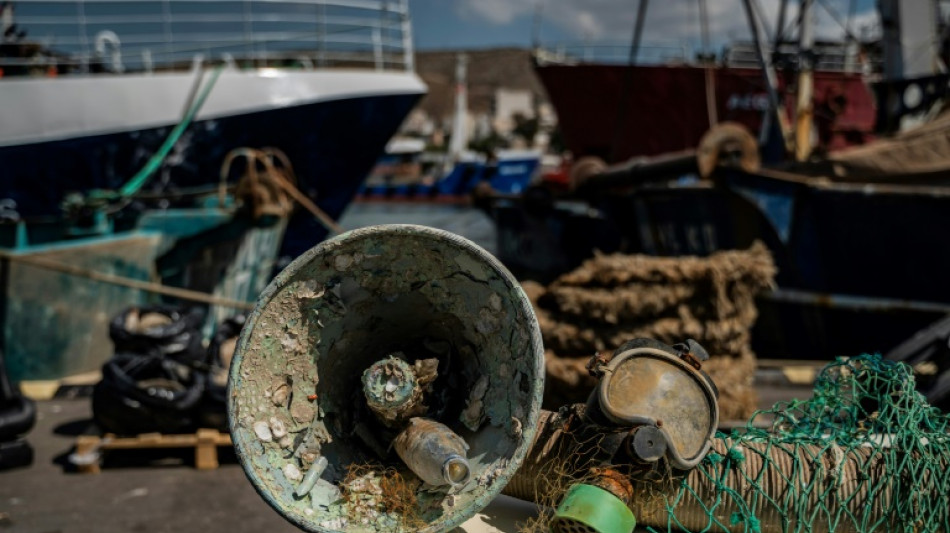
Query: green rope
(866, 453)
(137, 181)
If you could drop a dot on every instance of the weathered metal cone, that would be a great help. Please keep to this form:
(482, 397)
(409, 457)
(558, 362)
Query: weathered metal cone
(295, 392)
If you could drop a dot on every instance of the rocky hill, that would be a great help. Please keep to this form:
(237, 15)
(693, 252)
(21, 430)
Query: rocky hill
(488, 70)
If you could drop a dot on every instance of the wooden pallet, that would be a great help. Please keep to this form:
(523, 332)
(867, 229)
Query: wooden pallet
(204, 441)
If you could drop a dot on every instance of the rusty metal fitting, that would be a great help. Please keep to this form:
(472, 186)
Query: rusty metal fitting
(692, 353)
(613, 482)
(646, 443)
(597, 362)
(394, 389)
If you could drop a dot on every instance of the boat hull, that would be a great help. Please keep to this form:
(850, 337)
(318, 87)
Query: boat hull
(858, 268)
(55, 324)
(331, 129)
(616, 112)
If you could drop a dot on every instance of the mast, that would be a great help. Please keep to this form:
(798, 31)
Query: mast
(458, 142)
(637, 31)
(709, 74)
(536, 27)
(806, 82)
(780, 25)
(776, 108)
(620, 122)
(6, 21)
(910, 38)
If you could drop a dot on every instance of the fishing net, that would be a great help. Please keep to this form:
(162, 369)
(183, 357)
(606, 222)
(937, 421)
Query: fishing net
(866, 453)
(560, 457)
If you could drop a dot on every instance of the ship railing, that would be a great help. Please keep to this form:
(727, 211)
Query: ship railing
(840, 57)
(833, 56)
(145, 35)
(608, 52)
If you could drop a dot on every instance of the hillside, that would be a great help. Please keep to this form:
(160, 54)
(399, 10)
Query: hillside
(488, 70)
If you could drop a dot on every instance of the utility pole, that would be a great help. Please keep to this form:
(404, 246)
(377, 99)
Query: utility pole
(804, 110)
(536, 26)
(458, 142)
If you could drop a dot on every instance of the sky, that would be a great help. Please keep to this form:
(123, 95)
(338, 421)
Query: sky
(672, 27)
(439, 24)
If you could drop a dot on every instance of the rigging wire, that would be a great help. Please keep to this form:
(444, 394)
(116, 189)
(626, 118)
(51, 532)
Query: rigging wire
(536, 24)
(628, 80)
(637, 31)
(704, 25)
(845, 25)
(757, 7)
(852, 8)
(780, 25)
(709, 75)
(139, 179)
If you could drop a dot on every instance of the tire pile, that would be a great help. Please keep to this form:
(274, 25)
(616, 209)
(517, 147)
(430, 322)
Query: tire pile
(161, 377)
(614, 298)
(17, 416)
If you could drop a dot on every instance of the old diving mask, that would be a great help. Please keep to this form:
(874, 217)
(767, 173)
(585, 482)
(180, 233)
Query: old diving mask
(653, 403)
(660, 392)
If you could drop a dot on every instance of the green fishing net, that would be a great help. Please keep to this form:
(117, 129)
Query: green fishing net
(866, 453)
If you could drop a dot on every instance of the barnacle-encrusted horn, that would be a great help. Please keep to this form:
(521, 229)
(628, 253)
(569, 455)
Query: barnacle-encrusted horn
(388, 379)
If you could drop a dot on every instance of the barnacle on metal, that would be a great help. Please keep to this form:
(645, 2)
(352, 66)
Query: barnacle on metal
(395, 390)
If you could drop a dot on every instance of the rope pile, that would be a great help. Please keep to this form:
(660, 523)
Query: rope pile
(613, 298)
(268, 186)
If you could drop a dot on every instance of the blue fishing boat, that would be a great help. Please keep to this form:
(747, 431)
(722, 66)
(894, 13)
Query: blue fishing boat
(406, 172)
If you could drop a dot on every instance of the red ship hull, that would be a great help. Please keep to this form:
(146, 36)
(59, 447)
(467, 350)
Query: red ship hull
(664, 109)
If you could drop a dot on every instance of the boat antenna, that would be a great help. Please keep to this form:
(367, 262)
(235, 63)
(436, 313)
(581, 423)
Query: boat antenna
(844, 23)
(458, 142)
(536, 25)
(628, 80)
(852, 10)
(704, 26)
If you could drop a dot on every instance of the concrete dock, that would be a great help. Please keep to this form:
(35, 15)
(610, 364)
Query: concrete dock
(140, 491)
(150, 492)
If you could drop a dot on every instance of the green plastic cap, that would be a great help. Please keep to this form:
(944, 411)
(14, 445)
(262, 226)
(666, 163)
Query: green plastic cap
(590, 509)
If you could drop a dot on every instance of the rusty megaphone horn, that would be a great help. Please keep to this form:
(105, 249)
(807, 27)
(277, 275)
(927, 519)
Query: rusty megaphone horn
(388, 379)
